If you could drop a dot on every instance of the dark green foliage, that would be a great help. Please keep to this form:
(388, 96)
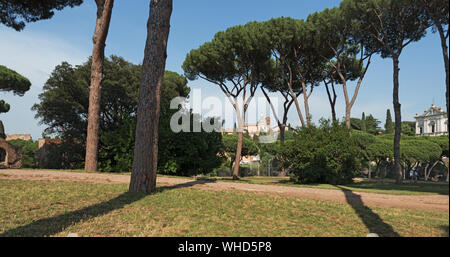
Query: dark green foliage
(409, 128)
(64, 105)
(117, 148)
(2, 130)
(249, 147)
(187, 153)
(419, 150)
(15, 13)
(13, 81)
(4, 107)
(231, 54)
(288, 135)
(364, 140)
(385, 26)
(371, 124)
(324, 154)
(363, 123)
(389, 125)
(67, 155)
(442, 141)
(29, 149)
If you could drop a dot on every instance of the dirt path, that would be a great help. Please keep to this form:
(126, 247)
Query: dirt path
(424, 202)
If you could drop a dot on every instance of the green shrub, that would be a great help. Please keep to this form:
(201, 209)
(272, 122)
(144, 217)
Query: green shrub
(66, 155)
(324, 154)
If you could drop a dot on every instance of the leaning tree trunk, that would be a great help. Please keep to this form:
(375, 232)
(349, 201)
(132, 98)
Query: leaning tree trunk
(398, 124)
(104, 10)
(145, 161)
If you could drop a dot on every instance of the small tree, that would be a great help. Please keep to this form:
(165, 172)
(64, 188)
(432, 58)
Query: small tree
(388, 126)
(324, 154)
(363, 123)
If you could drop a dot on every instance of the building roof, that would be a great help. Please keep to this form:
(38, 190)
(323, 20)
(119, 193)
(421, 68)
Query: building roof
(431, 112)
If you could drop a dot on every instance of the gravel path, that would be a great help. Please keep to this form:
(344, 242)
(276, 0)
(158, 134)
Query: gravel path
(424, 202)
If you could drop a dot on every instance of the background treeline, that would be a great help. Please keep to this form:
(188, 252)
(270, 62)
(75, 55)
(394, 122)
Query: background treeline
(327, 153)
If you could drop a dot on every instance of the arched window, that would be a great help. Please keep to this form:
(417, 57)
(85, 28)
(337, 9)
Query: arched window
(433, 126)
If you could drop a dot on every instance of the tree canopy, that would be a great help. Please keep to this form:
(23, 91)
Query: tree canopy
(11, 81)
(63, 109)
(15, 13)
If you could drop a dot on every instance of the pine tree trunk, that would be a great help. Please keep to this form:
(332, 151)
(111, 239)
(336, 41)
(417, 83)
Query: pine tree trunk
(238, 156)
(145, 161)
(282, 132)
(348, 110)
(104, 10)
(398, 124)
(332, 101)
(305, 102)
(446, 63)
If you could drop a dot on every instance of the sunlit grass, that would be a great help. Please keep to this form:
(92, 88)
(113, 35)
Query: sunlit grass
(359, 185)
(45, 208)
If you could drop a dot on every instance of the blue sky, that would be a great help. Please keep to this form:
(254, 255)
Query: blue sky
(35, 51)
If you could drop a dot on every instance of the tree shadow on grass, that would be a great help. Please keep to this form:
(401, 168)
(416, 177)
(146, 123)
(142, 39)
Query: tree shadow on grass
(371, 220)
(54, 225)
(187, 184)
(57, 224)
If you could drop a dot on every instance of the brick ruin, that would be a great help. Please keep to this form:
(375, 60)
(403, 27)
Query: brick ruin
(13, 155)
(44, 145)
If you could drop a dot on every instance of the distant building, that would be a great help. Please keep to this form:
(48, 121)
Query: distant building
(433, 122)
(18, 136)
(263, 125)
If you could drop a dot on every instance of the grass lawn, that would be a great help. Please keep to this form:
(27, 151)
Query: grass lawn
(360, 185)
(49, 208)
